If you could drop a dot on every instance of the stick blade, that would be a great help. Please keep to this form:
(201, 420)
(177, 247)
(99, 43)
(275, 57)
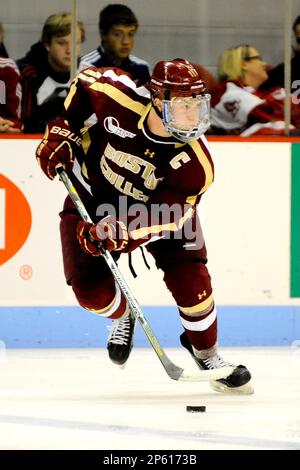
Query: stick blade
(204, 375)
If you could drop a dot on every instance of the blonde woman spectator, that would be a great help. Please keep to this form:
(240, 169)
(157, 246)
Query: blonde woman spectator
(10, 92)
(238, 106)
(45, 72)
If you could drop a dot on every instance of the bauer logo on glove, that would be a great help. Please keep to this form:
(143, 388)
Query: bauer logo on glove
(66, 133)
(59, 145)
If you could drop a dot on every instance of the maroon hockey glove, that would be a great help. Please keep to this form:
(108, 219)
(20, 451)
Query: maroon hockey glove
(59, 145)
(111, 232)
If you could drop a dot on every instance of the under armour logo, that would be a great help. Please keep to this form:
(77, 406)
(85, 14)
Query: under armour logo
(151, 154)
(204, 294)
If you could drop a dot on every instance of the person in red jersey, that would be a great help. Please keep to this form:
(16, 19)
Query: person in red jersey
(141, 169)
(10, 92)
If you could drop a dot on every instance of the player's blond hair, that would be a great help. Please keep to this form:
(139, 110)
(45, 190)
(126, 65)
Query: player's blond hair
(59, 25)
(230, 65)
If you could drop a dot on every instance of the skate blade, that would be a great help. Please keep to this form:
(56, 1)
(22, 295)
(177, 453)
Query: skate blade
(246, 389)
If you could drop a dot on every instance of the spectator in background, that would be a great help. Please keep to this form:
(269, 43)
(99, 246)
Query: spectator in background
(238, 106)
(37, 55)
(276, 74)
(10, 92)
(45, 72)
(208, 78)
(117, 27)
(3, 51)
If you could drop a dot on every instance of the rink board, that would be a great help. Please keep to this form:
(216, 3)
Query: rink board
(250, 235)
(73, 327)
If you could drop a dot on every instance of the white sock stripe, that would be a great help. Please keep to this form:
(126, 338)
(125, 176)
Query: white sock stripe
(115, 305)
(200, 325)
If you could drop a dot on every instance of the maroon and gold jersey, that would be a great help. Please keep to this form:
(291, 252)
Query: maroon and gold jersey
(122, 157)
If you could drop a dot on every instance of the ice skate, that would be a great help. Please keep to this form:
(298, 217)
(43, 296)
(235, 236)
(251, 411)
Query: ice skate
(120, 340)
(238, 382)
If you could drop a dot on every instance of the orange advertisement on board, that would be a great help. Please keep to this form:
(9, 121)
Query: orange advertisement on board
(15, 219)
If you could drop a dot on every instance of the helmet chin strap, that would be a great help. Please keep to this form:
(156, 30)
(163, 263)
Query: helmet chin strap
(156, 108)
(166, 96)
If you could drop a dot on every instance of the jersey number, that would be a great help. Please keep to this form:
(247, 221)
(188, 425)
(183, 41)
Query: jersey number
(2, 219)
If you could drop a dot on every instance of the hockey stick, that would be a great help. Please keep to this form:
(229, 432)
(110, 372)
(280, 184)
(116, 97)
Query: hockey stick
(173, 371)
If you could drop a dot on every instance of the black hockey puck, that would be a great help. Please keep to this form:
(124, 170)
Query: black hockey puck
(196, 409)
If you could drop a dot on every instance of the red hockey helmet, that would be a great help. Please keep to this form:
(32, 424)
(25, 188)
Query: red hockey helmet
(185, 108)
(176, 77)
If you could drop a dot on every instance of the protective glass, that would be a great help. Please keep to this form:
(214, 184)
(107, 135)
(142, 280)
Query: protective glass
(187, 118)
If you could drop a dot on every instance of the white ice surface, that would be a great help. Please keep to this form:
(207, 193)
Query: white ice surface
(77, 399)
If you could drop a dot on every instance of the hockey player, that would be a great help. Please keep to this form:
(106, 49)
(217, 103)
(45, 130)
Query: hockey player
(145, 155)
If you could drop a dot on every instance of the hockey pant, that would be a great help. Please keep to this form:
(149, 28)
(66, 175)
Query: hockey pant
(185, 275)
